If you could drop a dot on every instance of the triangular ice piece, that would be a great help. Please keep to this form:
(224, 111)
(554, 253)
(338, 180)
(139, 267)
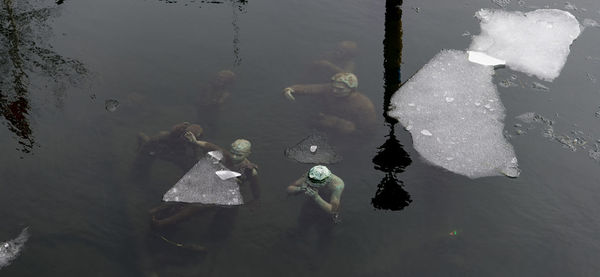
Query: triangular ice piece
(201, 184)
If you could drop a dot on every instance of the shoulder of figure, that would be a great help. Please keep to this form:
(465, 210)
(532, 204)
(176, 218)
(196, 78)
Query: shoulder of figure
(337, 182)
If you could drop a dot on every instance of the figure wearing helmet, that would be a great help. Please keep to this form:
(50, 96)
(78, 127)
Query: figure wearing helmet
(319, 180)
(236, 159)
(343, 109)
(212, 96)
(170, 145)
(341, 59)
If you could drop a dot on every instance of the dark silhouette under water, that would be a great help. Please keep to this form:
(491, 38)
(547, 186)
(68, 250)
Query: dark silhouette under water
(22, 53)
(391, 157)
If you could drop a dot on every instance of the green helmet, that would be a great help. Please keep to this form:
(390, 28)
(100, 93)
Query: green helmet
(241, 147)
(318, 175)
(346, 78)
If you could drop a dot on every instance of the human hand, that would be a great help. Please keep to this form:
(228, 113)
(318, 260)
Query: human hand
(287, 92)
(190, 136)
(310, 192)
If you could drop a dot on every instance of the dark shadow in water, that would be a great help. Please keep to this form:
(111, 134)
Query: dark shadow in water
(237, 6)
(23, 53)
(391, 157)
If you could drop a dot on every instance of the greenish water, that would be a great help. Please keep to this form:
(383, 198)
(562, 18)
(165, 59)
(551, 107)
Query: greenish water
(88, 214)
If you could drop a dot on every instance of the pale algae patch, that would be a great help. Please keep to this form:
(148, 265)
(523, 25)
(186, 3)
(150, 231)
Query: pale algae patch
(536, 42)
(454, 114)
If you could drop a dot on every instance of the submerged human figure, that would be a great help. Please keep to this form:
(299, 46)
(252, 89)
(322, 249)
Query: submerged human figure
(236, 159)
(170, 145)
(344, 109)
(212, 96)
(317, 185)
(341, 59)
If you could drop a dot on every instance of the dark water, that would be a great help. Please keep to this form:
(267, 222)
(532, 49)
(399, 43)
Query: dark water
(66, 162)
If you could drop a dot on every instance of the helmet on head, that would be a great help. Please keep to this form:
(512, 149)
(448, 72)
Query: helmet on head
(195, 129)
(344, 83)
(241, 147)
(318, 175)
(346, 49)
(224, 77)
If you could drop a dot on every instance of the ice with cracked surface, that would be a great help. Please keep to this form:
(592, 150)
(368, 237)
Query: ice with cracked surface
(536, 42)
(463, 135)
(202, 184)
(9, 250)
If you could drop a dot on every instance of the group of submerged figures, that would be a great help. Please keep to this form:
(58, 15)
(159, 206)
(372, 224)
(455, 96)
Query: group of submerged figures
(344, 111)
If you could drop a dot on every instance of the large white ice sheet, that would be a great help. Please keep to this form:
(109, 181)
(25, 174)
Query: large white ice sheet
(454, 114)
(536, 42)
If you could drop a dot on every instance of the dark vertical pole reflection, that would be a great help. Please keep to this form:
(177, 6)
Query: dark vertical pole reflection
(238, 6)
(391, 157)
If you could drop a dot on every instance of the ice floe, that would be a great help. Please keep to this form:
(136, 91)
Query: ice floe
(465, 134)
(536, 42)
(9, 250)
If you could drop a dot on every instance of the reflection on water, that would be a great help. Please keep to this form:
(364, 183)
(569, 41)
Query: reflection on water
(25, 54)
(391, 158)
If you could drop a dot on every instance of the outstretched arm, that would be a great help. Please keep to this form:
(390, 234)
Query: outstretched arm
(306, 89)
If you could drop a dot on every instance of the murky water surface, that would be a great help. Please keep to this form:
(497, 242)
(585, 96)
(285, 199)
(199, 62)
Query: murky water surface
(103, 71)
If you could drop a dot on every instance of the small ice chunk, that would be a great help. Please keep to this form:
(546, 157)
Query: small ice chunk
(501, 3)
(535, 42)
(539, 86)
(314, 149)
(217, 155)
(466, 34)
(449, 99)
(590, 23)
(569, 6)
(9, 250)
(111, 105)
(469, 139)
(227, 174)
(484, 59)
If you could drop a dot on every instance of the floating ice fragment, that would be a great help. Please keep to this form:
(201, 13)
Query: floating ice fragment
(217, 155)
(501, 3)
(449, 99)
(306, 151)
(227, 174)
(466, 34)
(471, 138)
(569, 6)
(426, 133)
(111, 105)
(539, 86)
(591, 77)
(9, 250)
(535, 42)
(484, 59)
(590, 23)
